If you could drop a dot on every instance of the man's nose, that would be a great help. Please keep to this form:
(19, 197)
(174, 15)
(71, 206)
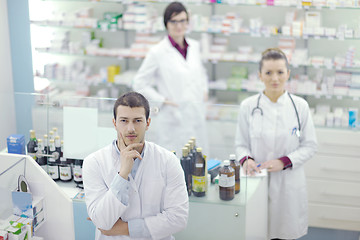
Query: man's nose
(131, 127)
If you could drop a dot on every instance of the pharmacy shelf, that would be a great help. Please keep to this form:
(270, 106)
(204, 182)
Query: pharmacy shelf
(70, 83)
(213, 61)
(49, 51)
(299, 6)
(317, 96)
(320, 7)
(304, 37)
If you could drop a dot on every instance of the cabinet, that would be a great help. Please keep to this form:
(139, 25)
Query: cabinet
(333, 181)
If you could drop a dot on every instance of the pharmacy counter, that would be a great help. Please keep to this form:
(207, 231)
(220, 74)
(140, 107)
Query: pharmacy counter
(244, 217)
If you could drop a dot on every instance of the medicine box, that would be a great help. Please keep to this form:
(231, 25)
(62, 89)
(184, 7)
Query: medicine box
(3, 235)
(17, 231)
(25, 205)
(16, 143)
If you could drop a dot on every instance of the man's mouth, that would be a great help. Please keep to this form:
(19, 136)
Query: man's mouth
(131, 137)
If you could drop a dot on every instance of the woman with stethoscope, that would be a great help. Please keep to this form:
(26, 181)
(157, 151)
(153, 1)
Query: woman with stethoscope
(275, 131)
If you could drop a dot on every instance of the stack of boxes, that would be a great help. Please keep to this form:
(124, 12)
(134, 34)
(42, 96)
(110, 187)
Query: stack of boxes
(28, 215)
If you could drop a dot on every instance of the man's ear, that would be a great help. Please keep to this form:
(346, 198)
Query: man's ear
(148, 123)
(114, 122)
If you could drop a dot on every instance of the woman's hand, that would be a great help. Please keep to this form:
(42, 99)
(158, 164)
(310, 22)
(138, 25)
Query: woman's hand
(275, 165)
(250, 167)
(119, 228)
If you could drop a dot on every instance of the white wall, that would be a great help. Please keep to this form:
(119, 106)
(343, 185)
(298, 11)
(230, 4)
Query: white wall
(7, 106)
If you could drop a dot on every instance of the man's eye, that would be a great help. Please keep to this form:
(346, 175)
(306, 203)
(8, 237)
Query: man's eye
(139, 120)
(268, 73)
(122, 120)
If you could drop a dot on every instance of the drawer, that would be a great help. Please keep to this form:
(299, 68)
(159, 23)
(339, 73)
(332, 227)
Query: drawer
(337, 217)
(332, 192)
(333, 167)
(341, 142)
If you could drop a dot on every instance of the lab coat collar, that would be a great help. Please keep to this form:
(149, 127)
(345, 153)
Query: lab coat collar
(281, 100)
(175, 52)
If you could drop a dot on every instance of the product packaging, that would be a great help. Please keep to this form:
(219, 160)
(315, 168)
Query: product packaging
(16, 143)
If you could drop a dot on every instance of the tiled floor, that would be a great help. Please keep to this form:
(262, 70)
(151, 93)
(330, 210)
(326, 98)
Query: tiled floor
(330, 234)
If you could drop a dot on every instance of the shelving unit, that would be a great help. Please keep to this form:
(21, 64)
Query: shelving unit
(219, 66)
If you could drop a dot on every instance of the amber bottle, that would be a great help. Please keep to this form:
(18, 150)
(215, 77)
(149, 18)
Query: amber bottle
(226, 182)
(236, 166)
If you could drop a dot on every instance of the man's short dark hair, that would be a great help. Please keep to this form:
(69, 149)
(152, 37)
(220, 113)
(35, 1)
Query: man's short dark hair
(174, 8)
(132, 99)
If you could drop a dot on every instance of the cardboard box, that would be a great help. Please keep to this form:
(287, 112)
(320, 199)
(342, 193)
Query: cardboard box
(3, 235)
(16, 144)
(17, 231)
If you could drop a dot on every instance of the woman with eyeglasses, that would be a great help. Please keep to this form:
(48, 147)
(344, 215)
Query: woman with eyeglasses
(173, 78)
(275, 132)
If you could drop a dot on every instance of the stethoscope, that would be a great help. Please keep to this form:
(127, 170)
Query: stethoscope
(296, 131)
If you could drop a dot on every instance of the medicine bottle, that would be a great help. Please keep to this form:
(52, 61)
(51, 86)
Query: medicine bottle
(199, 177)
(53, 166)
(77, 170)
(226, 182)
(236, 166)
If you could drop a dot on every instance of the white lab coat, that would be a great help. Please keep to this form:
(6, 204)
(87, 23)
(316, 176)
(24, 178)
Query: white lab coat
(157, 194)
(166, 74)
(271, 136)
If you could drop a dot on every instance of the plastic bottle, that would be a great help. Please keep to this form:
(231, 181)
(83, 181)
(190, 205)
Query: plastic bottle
(226, 182)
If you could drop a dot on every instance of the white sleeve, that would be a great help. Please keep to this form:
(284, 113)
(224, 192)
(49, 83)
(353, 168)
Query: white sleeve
(242, 137)
(103, 207)
(176, 204)
(144, 81)
(308, 141)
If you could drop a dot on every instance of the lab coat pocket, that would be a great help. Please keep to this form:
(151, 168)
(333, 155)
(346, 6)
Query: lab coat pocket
(294, 139)
(152, 196)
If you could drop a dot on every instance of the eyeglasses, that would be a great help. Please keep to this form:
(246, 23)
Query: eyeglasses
(181, 22)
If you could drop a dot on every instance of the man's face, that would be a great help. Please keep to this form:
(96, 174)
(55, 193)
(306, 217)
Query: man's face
(131, 124)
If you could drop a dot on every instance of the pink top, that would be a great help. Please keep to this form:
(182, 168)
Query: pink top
(183, 51)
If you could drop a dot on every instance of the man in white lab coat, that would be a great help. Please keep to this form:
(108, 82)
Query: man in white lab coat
(134, 188)
(173, 78)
